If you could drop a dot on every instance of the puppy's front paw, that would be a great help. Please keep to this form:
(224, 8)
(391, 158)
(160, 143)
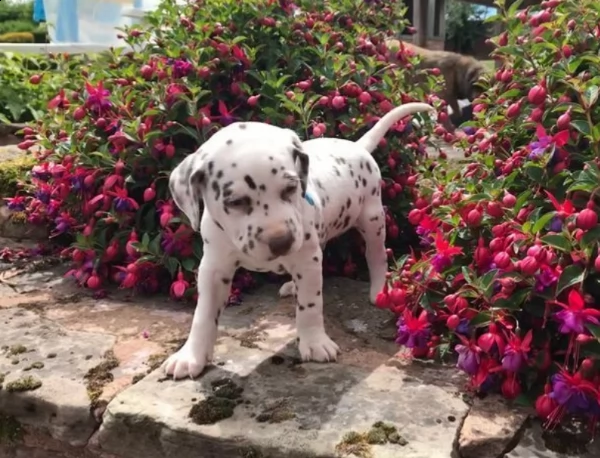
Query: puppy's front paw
(315, 345)
(189, 361)
(288, 289)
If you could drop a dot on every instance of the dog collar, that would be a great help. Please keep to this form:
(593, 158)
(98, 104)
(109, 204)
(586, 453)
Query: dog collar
(309, 199)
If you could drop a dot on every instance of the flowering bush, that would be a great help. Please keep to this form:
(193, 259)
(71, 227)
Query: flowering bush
(27, 83)
(507, 274)
(111, 138)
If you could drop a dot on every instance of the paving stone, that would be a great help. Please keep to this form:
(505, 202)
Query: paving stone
(318, 404)
(491, 428)
(38, 348)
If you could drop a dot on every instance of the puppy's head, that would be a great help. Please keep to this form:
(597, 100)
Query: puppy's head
(252, 178)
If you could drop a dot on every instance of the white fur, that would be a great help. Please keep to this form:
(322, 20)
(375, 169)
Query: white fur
(262, 163)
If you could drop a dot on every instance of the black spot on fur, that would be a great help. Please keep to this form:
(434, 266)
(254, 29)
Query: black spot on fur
(299, 276)
(219, 174)
(310, 305)
(237, 263)
(262, 187)
(369, 168)
(211, 167)
(218, 224)
(300, 307)
(319, 293)
(346, 221)
(250, 182)
(251, 244)
(356, 183)
(226, 281)
(364, 182)
(374, 218)
(307, 236)
(242, 125)
(316, 258)
(274, 171)
(373, 191)
(229, 142)
(216, 189)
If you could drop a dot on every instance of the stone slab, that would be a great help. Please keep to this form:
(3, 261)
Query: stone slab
(321, 403)
(59, 359)
(492, 428)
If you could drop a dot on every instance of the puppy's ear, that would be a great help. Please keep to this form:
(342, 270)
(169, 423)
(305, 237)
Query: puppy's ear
(186, 183)
(300, 162)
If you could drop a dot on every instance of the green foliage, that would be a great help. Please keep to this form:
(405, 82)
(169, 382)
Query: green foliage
(213, 62)
(17, 17)
(509, 267)
(22, 97)
(465, 25)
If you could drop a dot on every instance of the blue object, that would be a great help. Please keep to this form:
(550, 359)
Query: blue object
(67, 22)
(138, 4)
(39, 13)
(309, 199)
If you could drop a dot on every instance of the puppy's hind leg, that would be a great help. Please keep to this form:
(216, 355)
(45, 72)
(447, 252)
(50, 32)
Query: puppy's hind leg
(371, 224)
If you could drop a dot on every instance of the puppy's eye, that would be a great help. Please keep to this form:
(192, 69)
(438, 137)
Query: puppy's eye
(288, 191)
(239, 202)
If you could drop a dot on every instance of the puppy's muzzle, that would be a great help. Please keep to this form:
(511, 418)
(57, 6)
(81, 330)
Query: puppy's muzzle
(281, 242)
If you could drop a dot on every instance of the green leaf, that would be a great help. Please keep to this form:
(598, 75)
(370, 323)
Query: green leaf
(188, 264)
(521, 200)
(590, 95)
(594, 329)
(535, 172)
(541, 223)
(480, 320)
(172, 265)
(486, 282)
(582, 126)
(467, 275)
(590, 237)
(557, 241)
(572, 275)
(515, 301)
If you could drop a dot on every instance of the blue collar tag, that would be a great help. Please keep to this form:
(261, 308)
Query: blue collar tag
(309, 199)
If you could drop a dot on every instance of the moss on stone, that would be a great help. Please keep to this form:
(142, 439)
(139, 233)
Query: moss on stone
(354, 443)
(226, 388)
(16, 350)
(35, 365)
(11, 430)
(376, 436)
(212, 410)
(278, 412)
(99, 376)
(250, 452)
(27, 383)
(12, 172)
(155, 361)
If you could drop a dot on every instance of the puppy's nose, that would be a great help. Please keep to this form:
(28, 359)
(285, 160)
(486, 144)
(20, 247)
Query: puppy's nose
(280, 244)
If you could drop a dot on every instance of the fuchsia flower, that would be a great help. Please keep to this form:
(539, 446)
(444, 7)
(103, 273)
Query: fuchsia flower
(468, 355)
(516, 352)
(445, 252)
(97, 97)
(64, 223)
(122, 201)
(575, 315)
(59, 101)
(562, 210)
(16, 204)
(546, 142)
(573, 392)
(181, 67)
(547, 278)
(413, 332)
(166, 210)
(179, 286)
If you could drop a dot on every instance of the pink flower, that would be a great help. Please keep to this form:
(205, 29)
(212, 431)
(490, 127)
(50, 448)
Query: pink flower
(179, 286)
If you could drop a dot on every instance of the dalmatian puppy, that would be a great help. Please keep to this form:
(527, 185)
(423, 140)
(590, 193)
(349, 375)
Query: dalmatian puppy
(271, 203)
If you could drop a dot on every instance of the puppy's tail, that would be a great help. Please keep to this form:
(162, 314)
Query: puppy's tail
(371, 139)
